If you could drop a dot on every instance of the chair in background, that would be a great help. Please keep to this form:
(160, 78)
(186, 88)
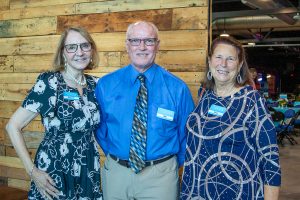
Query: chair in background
(286, 127)
(278, 118)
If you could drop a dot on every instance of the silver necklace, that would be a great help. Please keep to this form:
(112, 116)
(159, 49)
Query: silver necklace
(81, 83)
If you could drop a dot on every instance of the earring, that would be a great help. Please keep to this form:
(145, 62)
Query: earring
(65, 62)
(239, 78)
(209, 75)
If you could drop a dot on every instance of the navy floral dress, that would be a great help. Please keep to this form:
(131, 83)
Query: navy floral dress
(68, 152)
(232, 150)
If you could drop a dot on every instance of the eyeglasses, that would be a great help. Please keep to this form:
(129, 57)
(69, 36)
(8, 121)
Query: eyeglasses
(147, 41)
(72, 48)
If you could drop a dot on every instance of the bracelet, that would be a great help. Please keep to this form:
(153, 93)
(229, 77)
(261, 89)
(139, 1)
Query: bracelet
(30, 172)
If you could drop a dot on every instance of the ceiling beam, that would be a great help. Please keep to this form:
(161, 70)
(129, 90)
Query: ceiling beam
(286, 39)
(244, 13)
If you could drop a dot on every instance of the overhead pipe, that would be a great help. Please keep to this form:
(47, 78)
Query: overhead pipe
(253, 22)
(287, 18)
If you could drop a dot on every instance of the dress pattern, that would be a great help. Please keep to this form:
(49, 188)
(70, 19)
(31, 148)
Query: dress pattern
(232, 155)
(68, 152)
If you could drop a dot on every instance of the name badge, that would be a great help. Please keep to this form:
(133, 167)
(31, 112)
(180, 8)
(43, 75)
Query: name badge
(165, 114)
(216, 110)
(71, 96)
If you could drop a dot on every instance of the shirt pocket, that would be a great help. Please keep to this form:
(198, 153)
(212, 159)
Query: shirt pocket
(163, 127)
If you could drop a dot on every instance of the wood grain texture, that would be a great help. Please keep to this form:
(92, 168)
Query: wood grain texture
(130, 5)
(194, 60)
(8, 108)
(2, 132)
(190, 18)
(10, 151)
(15, 173)
(17, 183)
(43, 62)
(28, 27)
(8, 161)
(35, 125)
(106, 42)
(17, 92)
(6, 64)
(177, 61)
(164, 19)
(29, 45)
(30, 31)
(27, 13)
(116, 22)
(14, 92)
(2, 151)
(32, 139)
(33, 63)
(4, 5)
(14, 4)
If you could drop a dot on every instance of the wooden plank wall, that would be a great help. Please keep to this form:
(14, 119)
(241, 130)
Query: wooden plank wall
(29, 33)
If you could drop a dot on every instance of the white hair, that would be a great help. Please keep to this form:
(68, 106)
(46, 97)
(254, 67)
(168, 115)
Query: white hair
(130, 27)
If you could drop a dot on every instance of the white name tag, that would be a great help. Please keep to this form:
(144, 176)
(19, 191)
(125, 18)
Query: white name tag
(165, 114)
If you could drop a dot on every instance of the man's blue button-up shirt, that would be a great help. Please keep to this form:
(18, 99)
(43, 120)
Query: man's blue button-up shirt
(116, 94)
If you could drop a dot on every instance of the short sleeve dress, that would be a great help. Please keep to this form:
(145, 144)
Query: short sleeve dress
(232, 150)
(68, 152)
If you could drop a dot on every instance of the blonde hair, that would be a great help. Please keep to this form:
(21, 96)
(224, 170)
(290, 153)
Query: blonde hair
(59, 62)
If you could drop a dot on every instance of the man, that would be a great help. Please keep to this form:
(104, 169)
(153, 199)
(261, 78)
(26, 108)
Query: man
(253, 74)
(144, 109)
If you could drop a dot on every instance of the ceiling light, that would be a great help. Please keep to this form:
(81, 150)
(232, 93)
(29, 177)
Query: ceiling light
(269, 76)
(251, 43)
(297, 16)
(224, 34)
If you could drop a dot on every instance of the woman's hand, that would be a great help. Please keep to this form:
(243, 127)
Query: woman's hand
(44, 184)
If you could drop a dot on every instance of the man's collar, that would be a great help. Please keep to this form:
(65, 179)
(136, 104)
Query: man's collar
(149, 73)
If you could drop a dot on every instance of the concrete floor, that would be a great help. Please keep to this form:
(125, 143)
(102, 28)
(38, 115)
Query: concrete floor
(290, 169)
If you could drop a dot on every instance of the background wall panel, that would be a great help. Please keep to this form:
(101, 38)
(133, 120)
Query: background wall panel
(29, 33)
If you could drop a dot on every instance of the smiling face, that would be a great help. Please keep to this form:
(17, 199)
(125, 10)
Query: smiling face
(142, 56)
(224, 64)
(80, 59)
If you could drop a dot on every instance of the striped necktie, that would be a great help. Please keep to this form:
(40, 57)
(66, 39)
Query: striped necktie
(137, 155)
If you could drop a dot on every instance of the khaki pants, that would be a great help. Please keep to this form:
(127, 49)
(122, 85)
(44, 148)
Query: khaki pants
(157, 182)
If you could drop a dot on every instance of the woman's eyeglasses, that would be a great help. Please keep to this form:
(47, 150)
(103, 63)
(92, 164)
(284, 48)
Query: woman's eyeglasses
(72, 48)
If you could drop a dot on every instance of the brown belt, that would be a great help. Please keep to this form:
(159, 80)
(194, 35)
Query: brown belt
(126, 163)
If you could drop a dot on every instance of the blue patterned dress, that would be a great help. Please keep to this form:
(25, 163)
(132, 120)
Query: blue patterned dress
(68, 152)
(230, 156)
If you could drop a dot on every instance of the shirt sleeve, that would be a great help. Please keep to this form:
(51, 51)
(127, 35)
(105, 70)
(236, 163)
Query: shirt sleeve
(101, 134)
(42, 96)
(187, 106)
(264, 136)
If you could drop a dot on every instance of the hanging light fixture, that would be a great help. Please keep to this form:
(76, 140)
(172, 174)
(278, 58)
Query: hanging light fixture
(297, 16)
(224, 34)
